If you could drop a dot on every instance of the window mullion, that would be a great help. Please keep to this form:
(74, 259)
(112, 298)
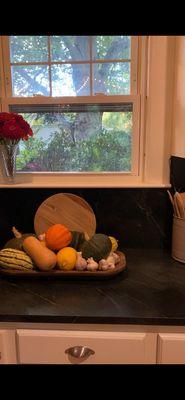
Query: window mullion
(49, 64)
(7, 67)
(91, 67)
(2, 81)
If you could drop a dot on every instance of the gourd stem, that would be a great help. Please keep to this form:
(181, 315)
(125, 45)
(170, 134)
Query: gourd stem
(16, 233)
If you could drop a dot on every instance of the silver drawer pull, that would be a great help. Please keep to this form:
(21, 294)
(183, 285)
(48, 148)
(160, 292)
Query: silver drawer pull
(79, 351)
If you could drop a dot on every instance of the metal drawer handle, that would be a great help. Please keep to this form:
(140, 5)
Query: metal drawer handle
(80, 351)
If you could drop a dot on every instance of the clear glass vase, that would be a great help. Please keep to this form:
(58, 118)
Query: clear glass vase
(8, 154)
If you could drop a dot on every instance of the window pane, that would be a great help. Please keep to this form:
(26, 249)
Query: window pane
(111, 47)
(86, 138)
(65, 48)
(70, 80)
(112, 78)
(28, 48)
(30, 80)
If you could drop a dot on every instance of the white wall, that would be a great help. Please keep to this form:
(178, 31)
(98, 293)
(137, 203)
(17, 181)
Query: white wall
(178, 138)
(159, 108)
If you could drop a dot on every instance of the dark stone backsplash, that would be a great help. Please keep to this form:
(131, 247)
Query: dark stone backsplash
(138, 218)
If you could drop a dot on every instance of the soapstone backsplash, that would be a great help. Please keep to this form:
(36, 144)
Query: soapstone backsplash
(138, 218)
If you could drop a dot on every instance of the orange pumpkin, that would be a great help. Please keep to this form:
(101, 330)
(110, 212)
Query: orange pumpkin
(57, 237)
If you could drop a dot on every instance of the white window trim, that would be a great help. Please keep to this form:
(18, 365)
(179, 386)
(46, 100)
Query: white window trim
(152, 150)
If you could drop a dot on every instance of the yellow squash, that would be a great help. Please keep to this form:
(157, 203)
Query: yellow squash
(114, 243)
(66, 258)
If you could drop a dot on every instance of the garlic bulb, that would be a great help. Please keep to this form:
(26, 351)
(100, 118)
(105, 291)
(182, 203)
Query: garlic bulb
(103, 265)
(81, 263)
(41, 237)
(107, 264)
(110, 259)
(116, 257)
(91, 264)
(111, 266)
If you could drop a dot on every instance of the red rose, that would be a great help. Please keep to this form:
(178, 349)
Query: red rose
(4, 116)
(13, 126)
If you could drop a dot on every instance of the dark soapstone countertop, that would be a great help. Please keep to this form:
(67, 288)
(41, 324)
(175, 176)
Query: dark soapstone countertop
(151, 291)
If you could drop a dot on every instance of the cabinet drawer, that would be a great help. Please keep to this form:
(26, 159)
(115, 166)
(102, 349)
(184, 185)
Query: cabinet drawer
(171, 348)
(7, 347)
(49, 346)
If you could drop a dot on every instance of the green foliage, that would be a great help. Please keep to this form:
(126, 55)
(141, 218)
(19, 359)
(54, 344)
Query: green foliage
(103, 151)
(117, 121)
(111, 47)
(32, 150)
(28, 48)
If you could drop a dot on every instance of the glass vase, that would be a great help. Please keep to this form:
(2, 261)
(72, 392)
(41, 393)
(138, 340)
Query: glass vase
(8, 153)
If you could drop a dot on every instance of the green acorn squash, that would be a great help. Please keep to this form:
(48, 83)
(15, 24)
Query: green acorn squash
(98, 247)
(77, 240)
(17, 241)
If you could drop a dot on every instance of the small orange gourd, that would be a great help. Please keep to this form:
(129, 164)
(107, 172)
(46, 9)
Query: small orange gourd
(57, 236)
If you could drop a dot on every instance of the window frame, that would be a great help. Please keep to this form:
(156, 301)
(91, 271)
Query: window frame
(133, 67)
(90, 179)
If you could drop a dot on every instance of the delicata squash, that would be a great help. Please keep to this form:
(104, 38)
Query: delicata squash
(44, 258)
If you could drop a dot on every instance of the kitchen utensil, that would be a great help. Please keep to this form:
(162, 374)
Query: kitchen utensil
(172, 201)
(182, 194)
(177, 211)
(66, 209)
(180, 205)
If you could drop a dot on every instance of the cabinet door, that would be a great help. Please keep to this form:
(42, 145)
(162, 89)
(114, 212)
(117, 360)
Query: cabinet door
(171, 348)
(7, 347)
(49, 346)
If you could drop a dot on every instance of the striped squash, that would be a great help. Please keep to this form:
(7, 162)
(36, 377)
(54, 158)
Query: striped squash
(15, 259)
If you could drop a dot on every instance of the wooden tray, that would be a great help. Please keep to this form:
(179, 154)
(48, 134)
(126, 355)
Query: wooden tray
(55, 273)
(67, 209)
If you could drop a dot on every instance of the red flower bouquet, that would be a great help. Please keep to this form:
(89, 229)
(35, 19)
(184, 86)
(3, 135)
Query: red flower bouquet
(13, 128)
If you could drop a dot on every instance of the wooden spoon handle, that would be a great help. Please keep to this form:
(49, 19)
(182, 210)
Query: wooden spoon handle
(172, 201)
(177, 212)
(180, 205)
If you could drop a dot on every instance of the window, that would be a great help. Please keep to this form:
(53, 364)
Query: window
(69, 65)
(82, 97)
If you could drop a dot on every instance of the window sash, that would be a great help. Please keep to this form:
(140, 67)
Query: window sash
(135, 100)
(133, 63)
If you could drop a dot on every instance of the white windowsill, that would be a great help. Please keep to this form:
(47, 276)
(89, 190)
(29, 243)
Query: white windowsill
(83, 180)
(138, 185)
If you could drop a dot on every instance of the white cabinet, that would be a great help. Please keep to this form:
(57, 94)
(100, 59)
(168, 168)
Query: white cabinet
(171, 348)
(50, 346)
(92, 345)
(7, 347)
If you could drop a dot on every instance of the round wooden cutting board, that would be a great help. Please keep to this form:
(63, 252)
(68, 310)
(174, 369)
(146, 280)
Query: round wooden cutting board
(67, 209)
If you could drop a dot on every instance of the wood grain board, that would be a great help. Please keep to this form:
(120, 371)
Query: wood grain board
(66, 209)
(121, 266)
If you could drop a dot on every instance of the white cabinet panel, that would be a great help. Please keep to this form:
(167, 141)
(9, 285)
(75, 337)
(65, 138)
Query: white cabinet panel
(49, 346)
(171, 348)
(7, 347)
